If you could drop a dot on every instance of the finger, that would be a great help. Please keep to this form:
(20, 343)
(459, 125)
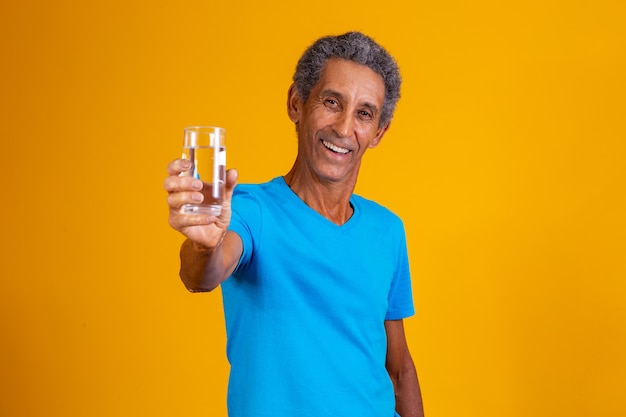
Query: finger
(180, 221)
(177, 166)
(231, 181)
(174, 183)
(178, 199)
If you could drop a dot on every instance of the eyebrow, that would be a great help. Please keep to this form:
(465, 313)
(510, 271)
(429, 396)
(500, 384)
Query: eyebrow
(330, 92)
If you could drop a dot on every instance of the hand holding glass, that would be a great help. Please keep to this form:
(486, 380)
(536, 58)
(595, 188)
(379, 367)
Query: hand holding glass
(205, 147)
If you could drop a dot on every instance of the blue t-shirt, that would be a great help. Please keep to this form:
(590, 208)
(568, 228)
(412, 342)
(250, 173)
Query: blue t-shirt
(306, 305)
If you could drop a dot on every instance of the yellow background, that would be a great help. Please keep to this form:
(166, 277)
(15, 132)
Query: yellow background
(505, 159)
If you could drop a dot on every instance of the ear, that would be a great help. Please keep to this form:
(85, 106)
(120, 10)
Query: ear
(294, 104)
(379, 136)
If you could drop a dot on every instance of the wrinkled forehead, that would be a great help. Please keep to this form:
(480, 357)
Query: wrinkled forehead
(353, 80)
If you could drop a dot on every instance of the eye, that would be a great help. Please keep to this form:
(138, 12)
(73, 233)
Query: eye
(365, 114)
(331, 102)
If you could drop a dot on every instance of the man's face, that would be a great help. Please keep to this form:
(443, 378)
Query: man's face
(339, 121)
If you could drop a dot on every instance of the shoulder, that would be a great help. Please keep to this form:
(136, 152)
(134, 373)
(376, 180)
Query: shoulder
(372, 209)
(253, 199)
(269, 187)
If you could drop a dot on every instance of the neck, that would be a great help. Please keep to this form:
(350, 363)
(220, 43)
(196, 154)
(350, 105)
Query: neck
(330, 199)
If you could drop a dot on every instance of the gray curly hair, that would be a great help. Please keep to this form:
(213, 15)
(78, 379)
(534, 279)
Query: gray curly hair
(356, 47)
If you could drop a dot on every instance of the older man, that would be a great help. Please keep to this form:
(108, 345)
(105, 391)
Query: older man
(315, 279)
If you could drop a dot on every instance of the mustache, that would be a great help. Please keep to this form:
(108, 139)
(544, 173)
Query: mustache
(331, 136)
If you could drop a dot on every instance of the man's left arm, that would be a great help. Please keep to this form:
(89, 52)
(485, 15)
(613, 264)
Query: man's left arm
(402, 371)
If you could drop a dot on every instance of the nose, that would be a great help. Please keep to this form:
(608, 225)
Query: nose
(344, 124)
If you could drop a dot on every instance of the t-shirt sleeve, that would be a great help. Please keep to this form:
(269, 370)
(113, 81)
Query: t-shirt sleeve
(246, 222)
(400, 292)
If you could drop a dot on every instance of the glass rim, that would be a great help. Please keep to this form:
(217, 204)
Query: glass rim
(200, 128)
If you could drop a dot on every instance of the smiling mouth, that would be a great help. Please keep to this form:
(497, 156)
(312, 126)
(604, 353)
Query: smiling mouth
(335, 148)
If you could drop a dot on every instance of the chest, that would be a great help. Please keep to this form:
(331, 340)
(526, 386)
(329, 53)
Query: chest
(342, 272)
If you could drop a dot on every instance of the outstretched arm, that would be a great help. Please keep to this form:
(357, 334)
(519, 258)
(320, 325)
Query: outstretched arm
(210, 253)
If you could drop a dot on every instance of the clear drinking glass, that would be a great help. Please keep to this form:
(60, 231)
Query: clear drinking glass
(205, 147)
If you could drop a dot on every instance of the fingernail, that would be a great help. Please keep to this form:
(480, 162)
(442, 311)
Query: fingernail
(196, 197)
(196, 185)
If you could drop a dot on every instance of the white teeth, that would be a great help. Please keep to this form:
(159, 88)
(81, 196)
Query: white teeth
(335, 148)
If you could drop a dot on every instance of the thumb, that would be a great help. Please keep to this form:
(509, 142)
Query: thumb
(231, 180)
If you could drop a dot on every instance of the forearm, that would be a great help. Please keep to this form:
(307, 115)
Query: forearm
(408, 394)
(201, 269)
(402, 371)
